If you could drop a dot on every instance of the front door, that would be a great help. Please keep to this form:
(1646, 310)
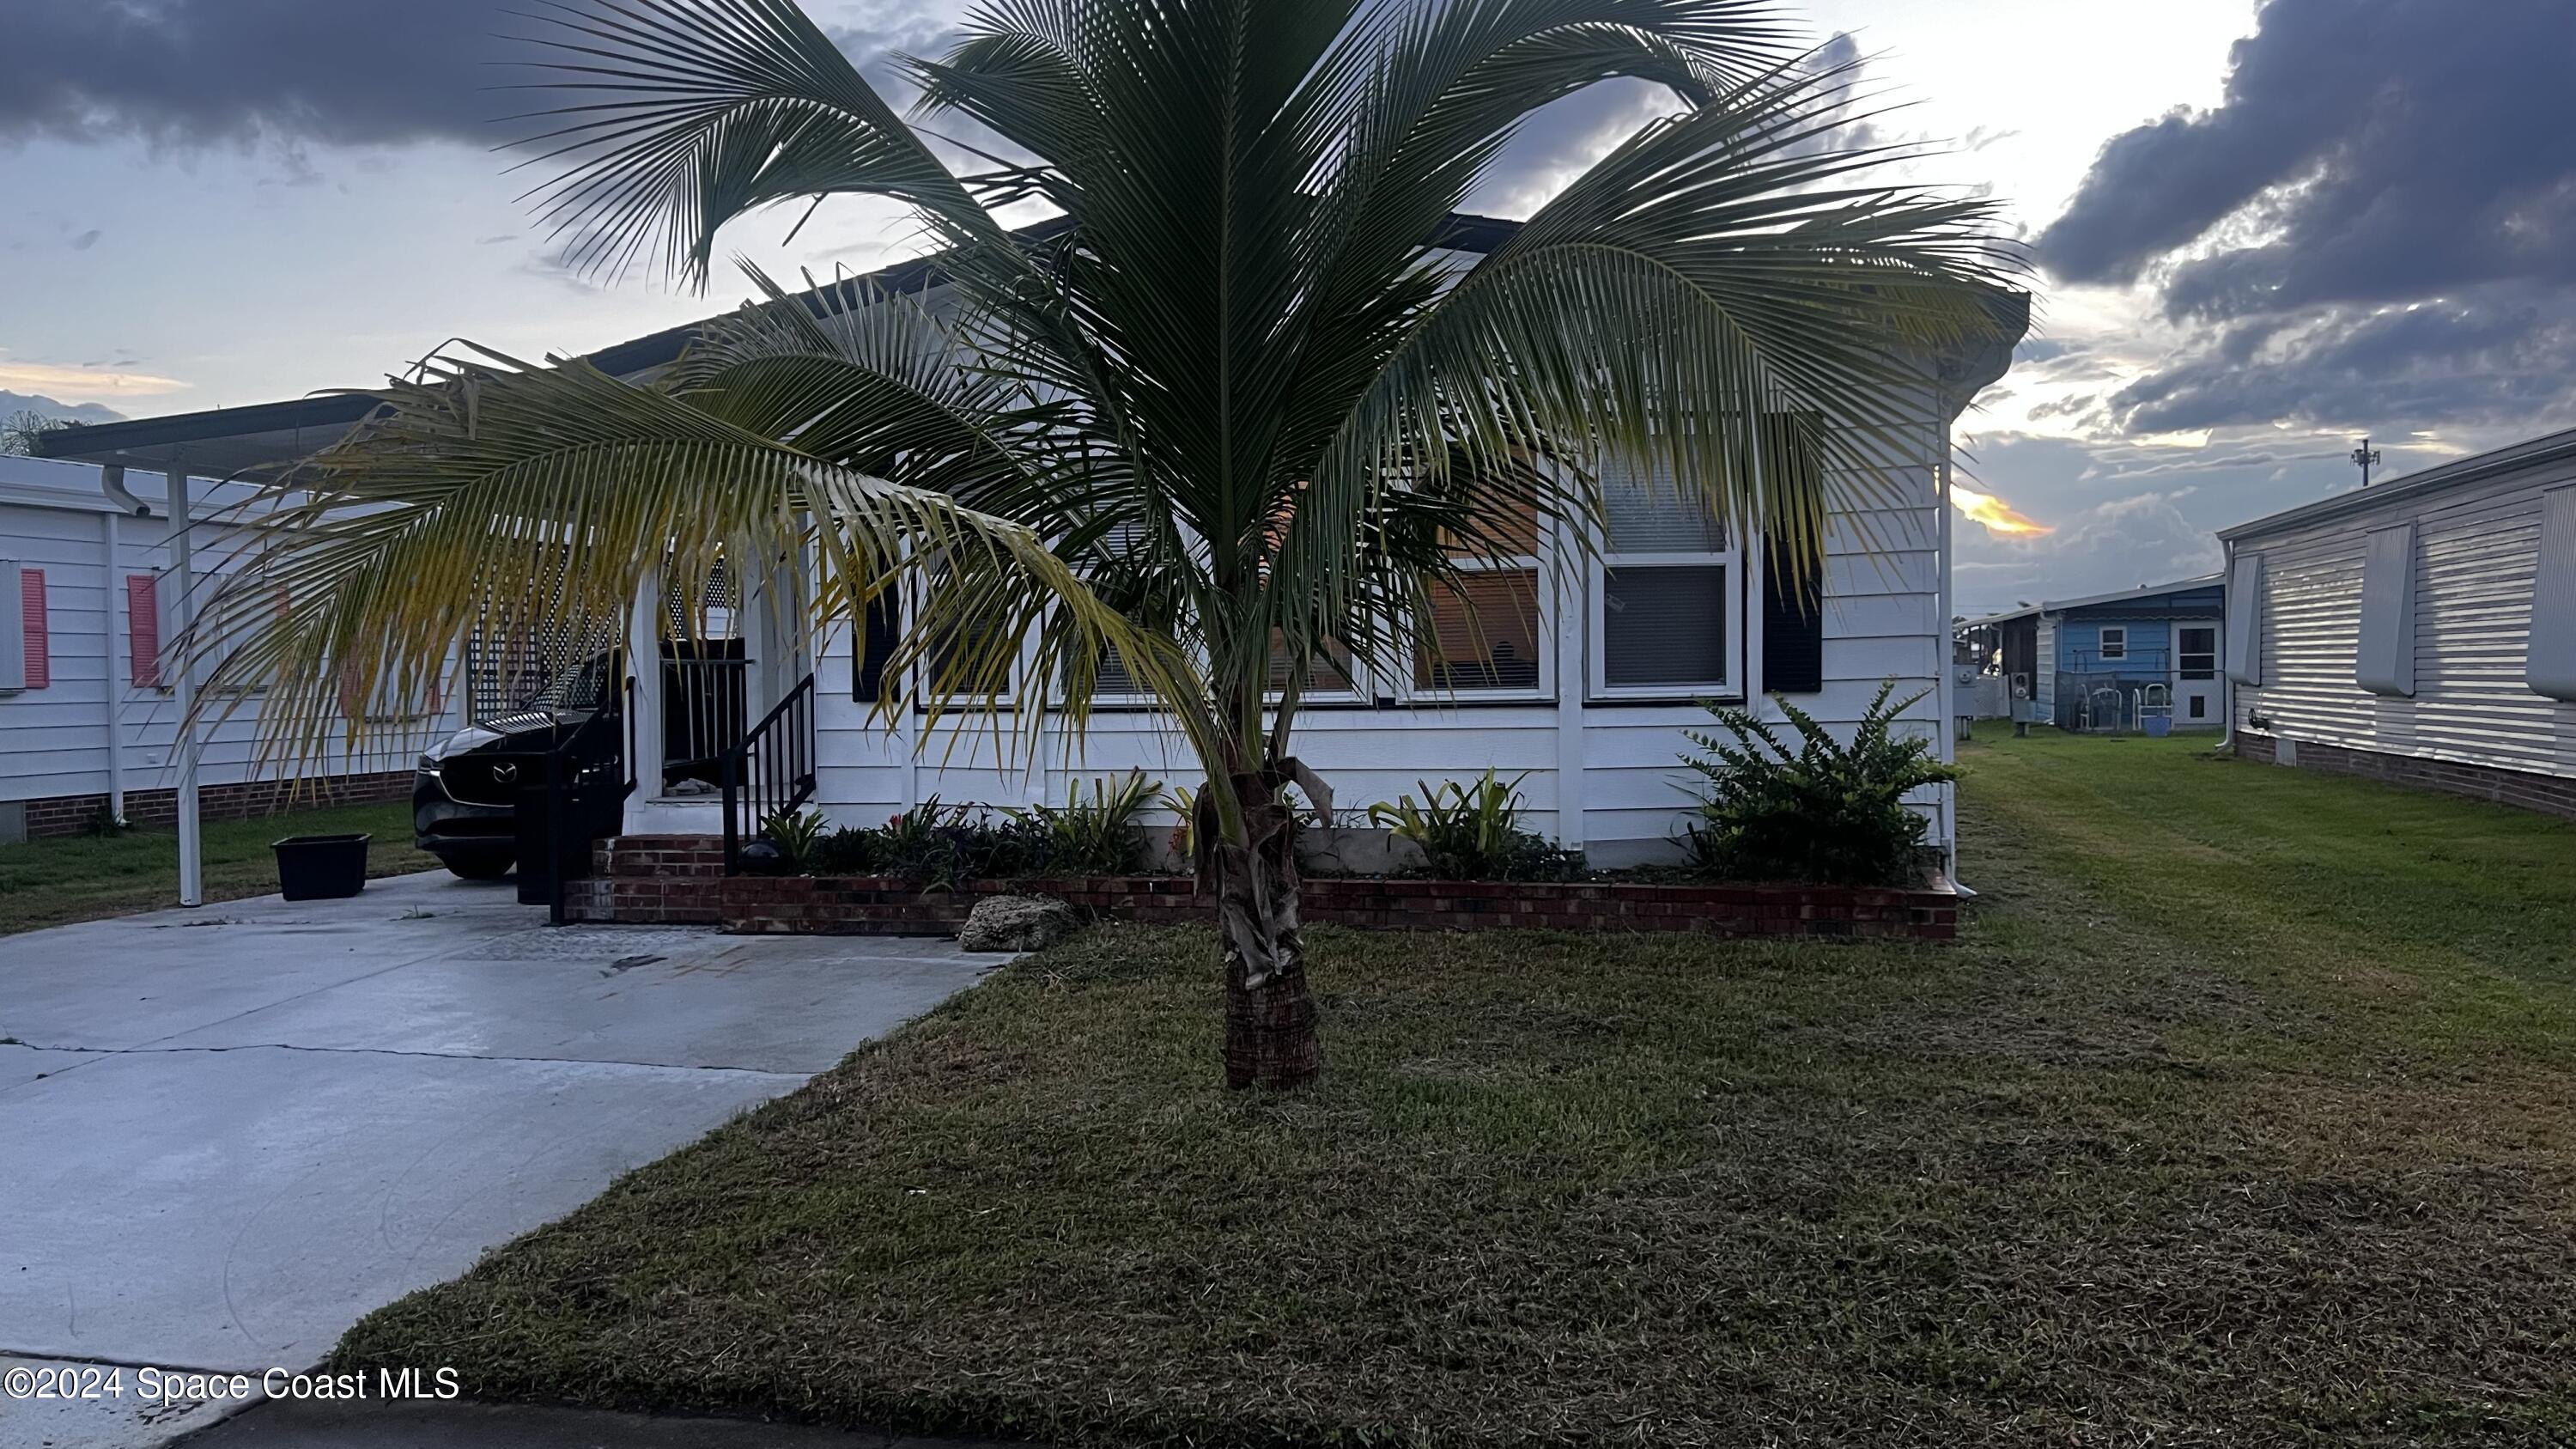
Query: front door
(2196, 697)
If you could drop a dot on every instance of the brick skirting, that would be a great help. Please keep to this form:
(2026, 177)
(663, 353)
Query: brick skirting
(675, 880)
(242, 800)
(2524, 789)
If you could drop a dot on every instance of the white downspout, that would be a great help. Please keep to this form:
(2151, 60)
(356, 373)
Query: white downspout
(115, 680)
(2226, 680)
(111, 481)
(182, 609)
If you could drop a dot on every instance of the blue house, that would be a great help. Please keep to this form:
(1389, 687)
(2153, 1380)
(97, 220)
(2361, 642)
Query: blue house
(2099, 662)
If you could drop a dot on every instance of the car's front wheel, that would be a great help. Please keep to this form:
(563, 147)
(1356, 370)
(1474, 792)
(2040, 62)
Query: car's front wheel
(490, 865)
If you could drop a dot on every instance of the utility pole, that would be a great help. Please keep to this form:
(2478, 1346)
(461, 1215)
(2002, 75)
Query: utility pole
(2368, 457)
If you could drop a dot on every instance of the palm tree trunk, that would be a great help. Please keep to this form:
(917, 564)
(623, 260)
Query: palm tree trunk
(1270, 1036)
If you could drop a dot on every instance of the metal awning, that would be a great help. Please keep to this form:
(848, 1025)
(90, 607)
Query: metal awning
(255, 443)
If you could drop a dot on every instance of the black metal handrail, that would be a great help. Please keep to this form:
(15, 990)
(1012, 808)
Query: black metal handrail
(771, 772)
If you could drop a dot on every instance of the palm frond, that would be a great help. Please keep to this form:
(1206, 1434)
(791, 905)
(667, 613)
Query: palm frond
(500, 497)
(684, 114)
(1689, 308)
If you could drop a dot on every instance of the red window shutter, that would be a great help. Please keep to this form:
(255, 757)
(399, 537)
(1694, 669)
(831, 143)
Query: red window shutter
(31, 592)
(143, 630)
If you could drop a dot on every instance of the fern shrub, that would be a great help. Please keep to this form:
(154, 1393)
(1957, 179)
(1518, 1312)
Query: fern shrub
(1823, 812)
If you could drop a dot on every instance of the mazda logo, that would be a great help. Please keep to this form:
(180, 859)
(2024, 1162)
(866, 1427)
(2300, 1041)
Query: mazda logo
(505, 772)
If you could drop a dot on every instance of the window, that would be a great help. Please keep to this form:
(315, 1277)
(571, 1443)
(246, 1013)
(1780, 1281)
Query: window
(2196, 651)
(1485, 634)
(235, 601)
(2115, 642)
(1327, 674)
(953, 676)
(1665, 622)
(2197, 706)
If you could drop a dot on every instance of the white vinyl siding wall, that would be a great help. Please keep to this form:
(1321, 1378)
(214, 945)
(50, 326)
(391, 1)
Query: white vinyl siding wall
(2476, 555)
(1619, 758)
(53, 741)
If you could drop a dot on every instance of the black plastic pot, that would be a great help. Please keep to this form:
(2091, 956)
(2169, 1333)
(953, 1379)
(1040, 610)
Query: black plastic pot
(321, 867)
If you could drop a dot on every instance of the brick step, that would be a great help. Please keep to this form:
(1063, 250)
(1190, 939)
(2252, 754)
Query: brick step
(647, 857)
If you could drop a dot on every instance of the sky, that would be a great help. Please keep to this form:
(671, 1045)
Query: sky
(2260, 230)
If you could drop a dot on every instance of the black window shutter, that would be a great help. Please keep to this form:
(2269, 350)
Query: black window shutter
(878, 633)
(1793, 631)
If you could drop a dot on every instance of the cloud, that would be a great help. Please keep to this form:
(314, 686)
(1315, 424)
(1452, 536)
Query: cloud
(2497, 357)
(2388, 148)
(2375, 229)
(892, 31)
(90, 382)
(2117, 544)
(1562, 140)
(86, 240)
(185, 73)
(197, 72)
(1997, 515)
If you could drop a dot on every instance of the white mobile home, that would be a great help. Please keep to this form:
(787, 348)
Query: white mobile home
(88, 713)
(2421, 630)
(1580, 691)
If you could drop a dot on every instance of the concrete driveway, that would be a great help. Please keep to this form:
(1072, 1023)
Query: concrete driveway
(226, 1134)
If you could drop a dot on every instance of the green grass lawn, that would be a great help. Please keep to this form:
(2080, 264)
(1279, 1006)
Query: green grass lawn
(2240, 1116)
(82, 878)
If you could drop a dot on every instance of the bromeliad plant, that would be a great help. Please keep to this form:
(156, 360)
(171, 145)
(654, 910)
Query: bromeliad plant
(795, 834)
(1098, 834)
(943, 845)
(1473, 832)
(1238, 411)
(1825, 812)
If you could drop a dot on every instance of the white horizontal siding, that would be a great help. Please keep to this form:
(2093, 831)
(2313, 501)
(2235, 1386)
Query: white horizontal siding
(1881, 621)
(2477, 551)
(54, 741)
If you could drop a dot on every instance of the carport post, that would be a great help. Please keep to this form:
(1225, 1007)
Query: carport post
(644, 666)
(175, 653)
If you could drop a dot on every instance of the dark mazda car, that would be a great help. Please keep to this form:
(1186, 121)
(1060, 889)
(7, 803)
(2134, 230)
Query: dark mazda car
(464, 790)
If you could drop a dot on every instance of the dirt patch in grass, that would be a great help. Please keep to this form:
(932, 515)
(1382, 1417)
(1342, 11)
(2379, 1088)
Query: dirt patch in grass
(2097, 1176)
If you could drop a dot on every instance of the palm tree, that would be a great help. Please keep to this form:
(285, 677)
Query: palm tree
(1233, 416)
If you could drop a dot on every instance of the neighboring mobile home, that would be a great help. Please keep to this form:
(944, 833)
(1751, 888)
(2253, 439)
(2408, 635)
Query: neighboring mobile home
(1579, 692)
(2096, 662)
(2421, 630)
(88, 720)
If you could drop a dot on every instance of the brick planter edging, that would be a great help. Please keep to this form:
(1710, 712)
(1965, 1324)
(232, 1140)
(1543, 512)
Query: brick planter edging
(679, 880)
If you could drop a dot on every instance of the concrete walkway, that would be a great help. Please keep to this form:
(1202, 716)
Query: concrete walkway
(227, 1133)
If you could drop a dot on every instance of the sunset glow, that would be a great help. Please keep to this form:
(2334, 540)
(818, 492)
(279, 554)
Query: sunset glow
(1997, 515)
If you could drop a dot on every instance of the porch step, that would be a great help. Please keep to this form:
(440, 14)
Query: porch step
(691, 815)
(644, 856)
